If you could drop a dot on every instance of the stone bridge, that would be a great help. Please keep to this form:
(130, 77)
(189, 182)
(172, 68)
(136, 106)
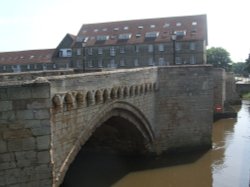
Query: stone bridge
(45, 122)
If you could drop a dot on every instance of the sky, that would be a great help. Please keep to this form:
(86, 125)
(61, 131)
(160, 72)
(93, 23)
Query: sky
(42, 24)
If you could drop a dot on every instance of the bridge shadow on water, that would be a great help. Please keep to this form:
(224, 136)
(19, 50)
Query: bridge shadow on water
(92, 169)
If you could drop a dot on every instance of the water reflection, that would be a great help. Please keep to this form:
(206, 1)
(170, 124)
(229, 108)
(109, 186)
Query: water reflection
(226, 165)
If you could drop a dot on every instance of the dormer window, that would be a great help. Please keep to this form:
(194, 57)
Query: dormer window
(166, 25)
(102, 37)
(125, 28)
(194, 23)
(116, 29)
(95, 30)
(152, 26)
(151, 34)
(178, 24)
(140, 27)
(124, 36)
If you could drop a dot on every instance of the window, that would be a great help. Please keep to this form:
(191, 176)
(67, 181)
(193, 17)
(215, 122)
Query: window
(192, 60)
(122, 62)
(137, 48)
(150, 61)
(166, 25)
(194, 23)
(138, 35)
(178, 60)
(100, 63)
(125, 36)
(180, 33)
(140, 27)
(152, 26)
(35, 66)
(116, 29)
(177, 46)
(90, 63)
(95, 30)
(100, 51)
(151, 34)
(178, 24)
(122, 49)
(112, 51)
(125, 28)
(102, 37)
(4, 68)
(112, 63)
(54, 66)
(28, 66)
(192, 46)
(136, 63)
(104, 29)
(90, 51)
(161, 47)
(78, 51)
(161, 61)
(150, 48)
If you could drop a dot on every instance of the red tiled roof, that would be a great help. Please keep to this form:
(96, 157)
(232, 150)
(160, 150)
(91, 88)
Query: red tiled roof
(195, 28)
(27, 57)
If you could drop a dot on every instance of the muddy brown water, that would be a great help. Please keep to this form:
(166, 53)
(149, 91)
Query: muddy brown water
(227, 164)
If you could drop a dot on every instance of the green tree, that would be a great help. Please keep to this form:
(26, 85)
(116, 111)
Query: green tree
(247, 67)
(239, 68)
(219, 58)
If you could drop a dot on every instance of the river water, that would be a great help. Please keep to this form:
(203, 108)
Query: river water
(227, 164)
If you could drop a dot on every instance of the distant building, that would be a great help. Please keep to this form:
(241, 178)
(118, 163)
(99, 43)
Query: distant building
(140, 43)
(32, 60)
(122, 44)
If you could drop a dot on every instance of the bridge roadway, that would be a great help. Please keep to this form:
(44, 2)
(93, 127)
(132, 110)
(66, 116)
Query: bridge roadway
(45, 122)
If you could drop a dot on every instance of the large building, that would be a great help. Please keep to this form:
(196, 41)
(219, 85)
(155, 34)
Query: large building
(140, 43)
(122, 44)
(31, 60)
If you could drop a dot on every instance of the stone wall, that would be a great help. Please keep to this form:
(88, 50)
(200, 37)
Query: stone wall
(25, 135)
(184, 108)
(232, 97)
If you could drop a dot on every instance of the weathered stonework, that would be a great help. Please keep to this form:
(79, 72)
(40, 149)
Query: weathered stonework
(43, 124)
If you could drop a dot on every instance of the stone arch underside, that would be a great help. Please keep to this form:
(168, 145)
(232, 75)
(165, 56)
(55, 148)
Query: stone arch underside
(110, 113)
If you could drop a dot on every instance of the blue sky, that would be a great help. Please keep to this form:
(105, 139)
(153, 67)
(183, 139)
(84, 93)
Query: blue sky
(41, 24)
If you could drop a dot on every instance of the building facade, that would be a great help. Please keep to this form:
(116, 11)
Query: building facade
(122, 44)
(140, 43)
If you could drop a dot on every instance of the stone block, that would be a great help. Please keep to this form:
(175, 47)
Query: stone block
(3, 94)
(21, 144)
(19, 92)
(43, 157)
(42, 114)
(39, 104)
(7, 165)
(33, 123)
(44, 171)
(24, 114)
(16, 126)
(26, 158)
(7, 157)
(41, 92)
(5, 106)
(43, 142)
(7, 115)
(16, 134)
(41, 131)
(3, 146)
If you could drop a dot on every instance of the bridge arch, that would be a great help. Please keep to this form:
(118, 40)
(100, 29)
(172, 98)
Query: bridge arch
(114, 110)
